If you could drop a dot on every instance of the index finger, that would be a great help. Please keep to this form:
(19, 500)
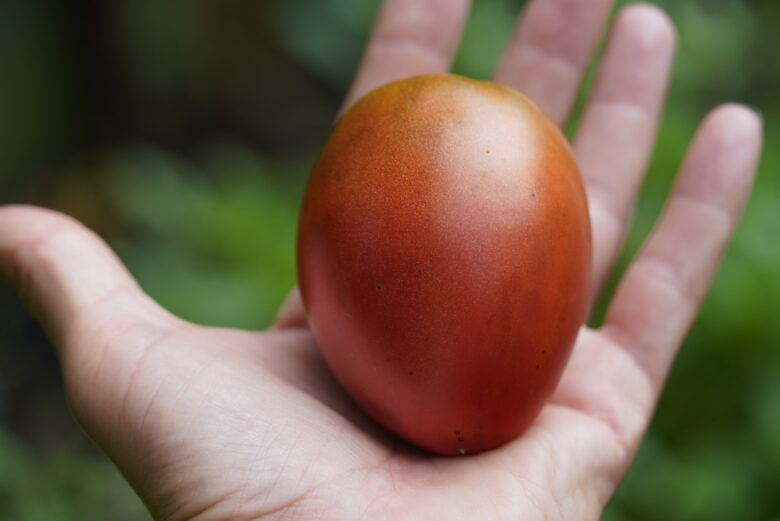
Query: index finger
(410, 37)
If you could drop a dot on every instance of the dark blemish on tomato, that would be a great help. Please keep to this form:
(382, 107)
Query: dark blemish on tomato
(537, 366)
(411, 373)
(378, 285)
(456, 433)
(461, 438)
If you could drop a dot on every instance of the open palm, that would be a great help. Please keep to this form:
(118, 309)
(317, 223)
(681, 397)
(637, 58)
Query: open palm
(215, 424)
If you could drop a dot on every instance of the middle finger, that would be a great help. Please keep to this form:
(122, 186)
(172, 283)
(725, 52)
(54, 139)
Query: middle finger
(550, 51)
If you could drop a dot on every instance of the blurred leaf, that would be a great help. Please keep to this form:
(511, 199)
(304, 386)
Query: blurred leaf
(488, 30)
(63, 486)
(218, 247)
(326, 36)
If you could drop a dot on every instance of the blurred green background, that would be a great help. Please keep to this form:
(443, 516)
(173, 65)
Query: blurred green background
(183, 131)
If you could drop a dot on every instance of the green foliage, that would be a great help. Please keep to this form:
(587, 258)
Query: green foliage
(326, 36)
(62, 486)
(215, 242)
(488, 30)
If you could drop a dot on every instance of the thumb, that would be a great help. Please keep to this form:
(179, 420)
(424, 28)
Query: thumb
(83, 296)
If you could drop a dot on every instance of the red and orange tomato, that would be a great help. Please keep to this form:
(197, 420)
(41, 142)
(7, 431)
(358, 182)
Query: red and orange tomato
(444, 259)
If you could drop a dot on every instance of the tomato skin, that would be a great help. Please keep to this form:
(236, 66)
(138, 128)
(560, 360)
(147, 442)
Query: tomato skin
(444, 259)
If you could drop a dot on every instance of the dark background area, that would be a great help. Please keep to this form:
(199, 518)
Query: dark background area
(183, 132)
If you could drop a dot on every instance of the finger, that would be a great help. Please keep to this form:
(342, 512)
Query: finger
(618, 129)
(69, 277)
(292, 314)
(663, 288)
(410, 37)
(550, 51)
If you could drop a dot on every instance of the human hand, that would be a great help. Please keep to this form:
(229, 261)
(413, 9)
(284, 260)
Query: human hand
(219, 424)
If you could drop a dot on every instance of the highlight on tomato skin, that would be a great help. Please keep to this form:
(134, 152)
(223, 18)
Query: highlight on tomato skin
(444, 259)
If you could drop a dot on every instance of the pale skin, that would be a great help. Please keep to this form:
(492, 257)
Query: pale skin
(214, 424)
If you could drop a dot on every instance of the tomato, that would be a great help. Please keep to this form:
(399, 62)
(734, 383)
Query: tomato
(444, 257)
